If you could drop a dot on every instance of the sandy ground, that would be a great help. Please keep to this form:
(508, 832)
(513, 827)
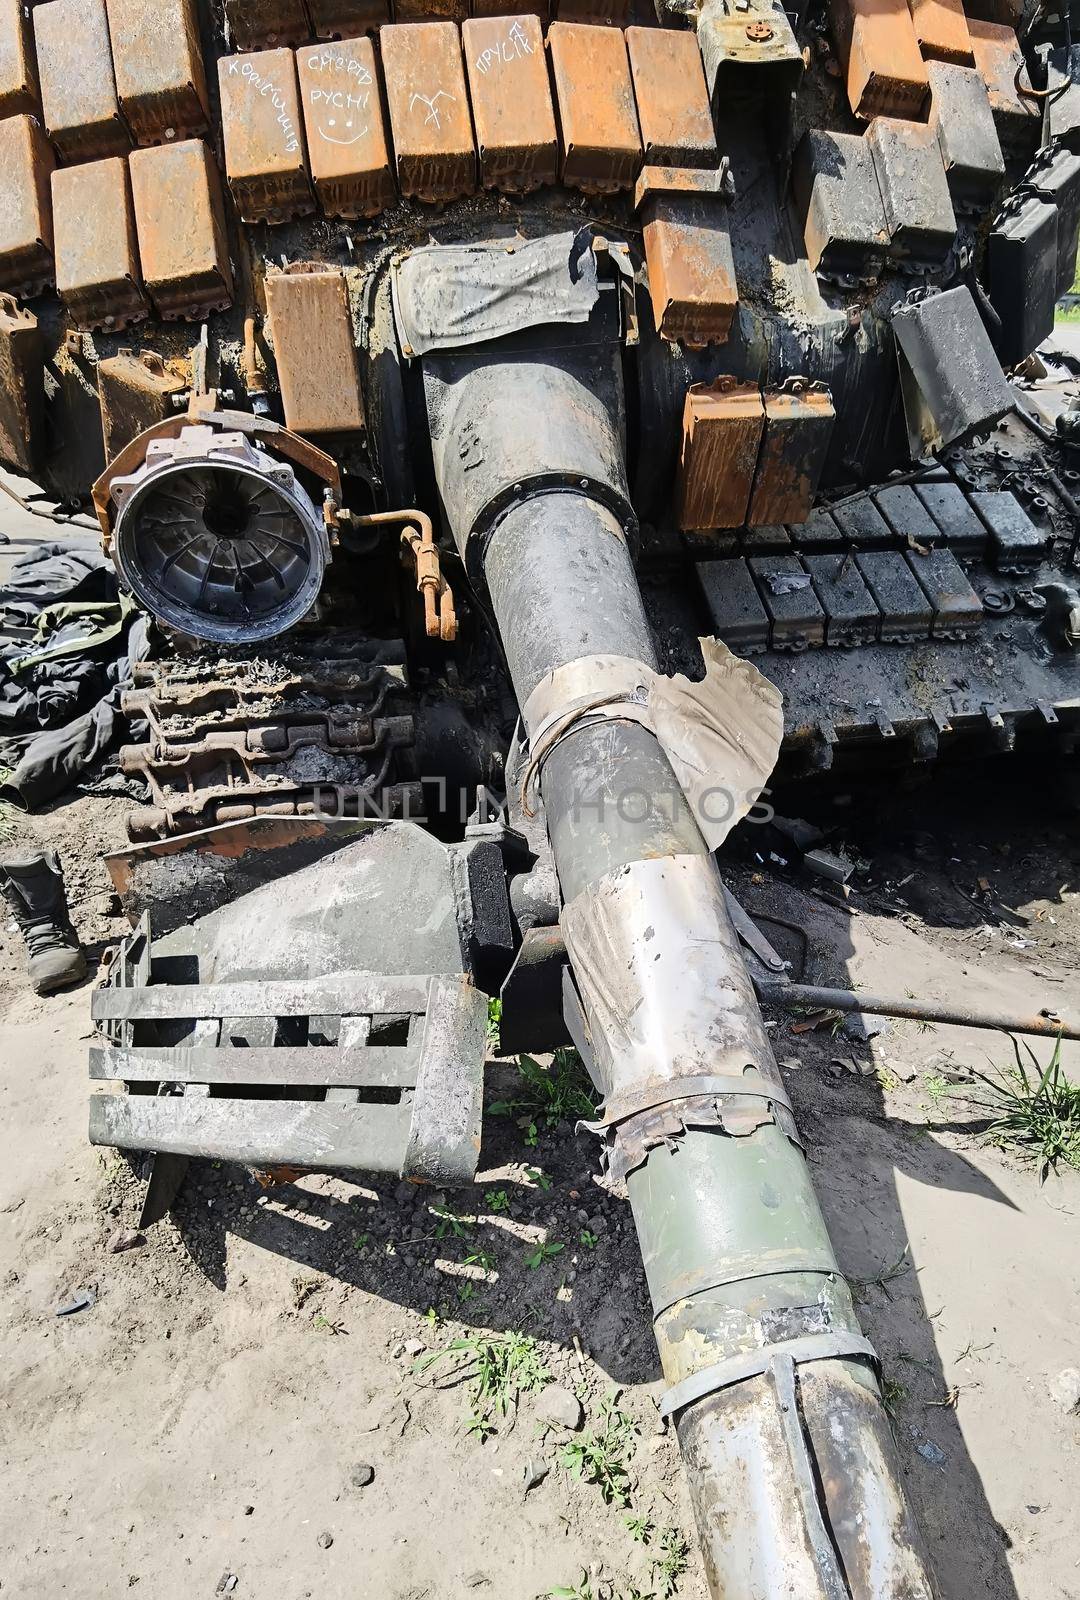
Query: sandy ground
(212, 1415)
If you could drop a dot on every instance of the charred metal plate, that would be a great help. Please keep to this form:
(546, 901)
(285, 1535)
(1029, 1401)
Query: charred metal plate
(260, 22)
(78, 90)
(959, 526)
(851, 617)
(837, 193)
(263, 136)
(346, 19)
(315, 351)
(97, 258)
(135, 391)
(738, 617)
(1000, 61)
(950, 376)
(861, 524)
(18, 64)
(883, 66)
(1022, 273)
(819, 533)
(942, 31)
(957, 608)
(672, 101)
(431, 11)
(513, 114)
(914, 191)
(906, 515)
(181, 229)
(1016, 544)
(22, 386)
(26, 230)
(429, 110)
(798, 427)
(787, 593)
(600, 134)
(722, 429)
(348, 149)
(688, 253)
(967, 137)
(906, 614)
(1055, 175)
(160, 77)
(749, 51)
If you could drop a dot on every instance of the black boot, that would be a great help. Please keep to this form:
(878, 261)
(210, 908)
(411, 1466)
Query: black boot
(33, 886)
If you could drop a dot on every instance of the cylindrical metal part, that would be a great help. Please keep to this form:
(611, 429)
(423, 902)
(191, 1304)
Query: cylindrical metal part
(736, 1251)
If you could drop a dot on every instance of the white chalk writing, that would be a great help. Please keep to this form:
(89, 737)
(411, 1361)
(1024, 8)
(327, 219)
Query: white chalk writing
(512, 48)
(266, 87)
(432, 103)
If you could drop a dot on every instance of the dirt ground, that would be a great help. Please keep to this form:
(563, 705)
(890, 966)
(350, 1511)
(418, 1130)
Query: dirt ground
(245, 1408)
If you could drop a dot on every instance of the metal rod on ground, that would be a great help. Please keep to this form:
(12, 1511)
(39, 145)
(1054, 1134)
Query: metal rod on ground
(1047, 1023)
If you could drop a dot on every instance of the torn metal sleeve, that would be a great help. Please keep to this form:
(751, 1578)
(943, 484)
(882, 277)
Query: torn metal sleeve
(630, 1141)
(662, 982)
(752, 1363)
(721, 735)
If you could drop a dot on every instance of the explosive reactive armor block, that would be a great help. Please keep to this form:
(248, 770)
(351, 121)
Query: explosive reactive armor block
(672, 100)
(906, 514)
(819, 533)
(1055, 175)
(942, 31)
(265, 160)
(135, 390)
(798, 426)
(738, 616)
(160, 77)
(348, 150)
(957, 608)
(960, 529)
(181, 229)
(1022, 272)
(26, 231)
(851, 617)
(22, 386)
(315, 351)
(906, 613)
(837, 193)
(749, 52)
(914, 190)
(688, 254)
(18, 66)
(78, 90)
(883, 66)
(258, 22)
(1016, 544)
(512, 107)
(722, 428)
(787, 593)
(429, 110)
(967, 136)
(1000, 60)
(595, 98)
(97, 258)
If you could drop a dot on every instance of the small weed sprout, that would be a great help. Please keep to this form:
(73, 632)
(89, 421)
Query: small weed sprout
(602, 1456)
(1035, 1109)
(498, 1368)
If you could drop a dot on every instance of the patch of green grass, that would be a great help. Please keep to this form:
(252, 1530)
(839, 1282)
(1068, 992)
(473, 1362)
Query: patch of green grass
(497, 1201)
(893, 1394)
(498, 1368)
(449, 1225)
(494, 1021)
(1035, 1109)
(670, 1563)
(937, 1087)
(589, 1239)
(540, 1178)
(482, 1259)
(640, 1529)
(543, 1252)
(602, 1455)
(551, 1095)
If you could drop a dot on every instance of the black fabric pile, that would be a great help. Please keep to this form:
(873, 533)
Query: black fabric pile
(68, 639)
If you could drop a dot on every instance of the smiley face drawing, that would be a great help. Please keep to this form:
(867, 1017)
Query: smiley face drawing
(343, 116)
(346, 137)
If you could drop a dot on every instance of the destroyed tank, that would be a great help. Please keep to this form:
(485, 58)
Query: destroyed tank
(467, 393)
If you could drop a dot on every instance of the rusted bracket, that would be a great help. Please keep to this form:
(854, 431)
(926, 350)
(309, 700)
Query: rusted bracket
(299, 451)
